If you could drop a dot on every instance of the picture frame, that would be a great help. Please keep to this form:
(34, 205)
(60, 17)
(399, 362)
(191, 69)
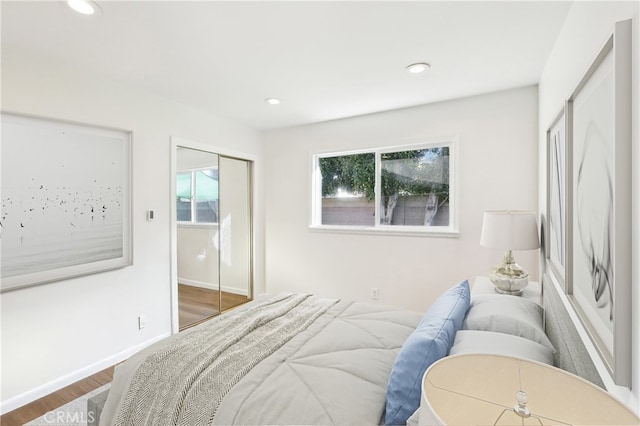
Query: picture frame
(556, 216)
(599, 260)
(66, 200)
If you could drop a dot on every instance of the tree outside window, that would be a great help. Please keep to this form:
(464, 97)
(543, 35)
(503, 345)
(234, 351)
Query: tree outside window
(411, 188)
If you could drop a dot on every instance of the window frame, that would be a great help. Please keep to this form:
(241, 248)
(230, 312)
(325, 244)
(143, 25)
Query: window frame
(450, 231)
(193, 222)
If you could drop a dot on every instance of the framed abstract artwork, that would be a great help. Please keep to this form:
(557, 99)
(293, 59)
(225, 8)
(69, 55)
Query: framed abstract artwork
(66, 200)
(556, 239)
(599, 262)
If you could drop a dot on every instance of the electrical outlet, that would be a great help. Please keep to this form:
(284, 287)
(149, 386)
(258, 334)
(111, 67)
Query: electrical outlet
(374, 293)
(142, 322)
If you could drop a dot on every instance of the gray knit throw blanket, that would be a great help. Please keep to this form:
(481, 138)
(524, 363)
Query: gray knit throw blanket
(184, 383)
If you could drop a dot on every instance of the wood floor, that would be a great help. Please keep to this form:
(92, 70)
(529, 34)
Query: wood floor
(196, 304)
(37, 408)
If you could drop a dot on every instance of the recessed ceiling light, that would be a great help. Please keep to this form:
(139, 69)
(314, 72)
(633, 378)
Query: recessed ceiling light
(272, 101)
(85, 7)
(418, 67)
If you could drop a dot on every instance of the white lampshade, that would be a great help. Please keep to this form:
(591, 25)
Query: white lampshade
(509, 230)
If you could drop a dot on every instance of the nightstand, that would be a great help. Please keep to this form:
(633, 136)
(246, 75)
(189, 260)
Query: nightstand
(482, 285)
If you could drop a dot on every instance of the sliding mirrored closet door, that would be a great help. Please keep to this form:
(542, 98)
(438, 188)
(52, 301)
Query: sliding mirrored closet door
(197, 235)
(235, 232)
(213, 233)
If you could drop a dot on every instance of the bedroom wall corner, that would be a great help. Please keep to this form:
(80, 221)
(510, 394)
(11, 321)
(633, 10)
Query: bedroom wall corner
(58, 333)
(586, 28)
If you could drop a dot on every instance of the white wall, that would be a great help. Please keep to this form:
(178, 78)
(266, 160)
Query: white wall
(198, 256)
(57, 333)
(497, 169)
(587, 27)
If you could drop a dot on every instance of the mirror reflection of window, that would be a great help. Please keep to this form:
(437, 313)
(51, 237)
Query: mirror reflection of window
(183, 197)
(206, 196)
(197, 196)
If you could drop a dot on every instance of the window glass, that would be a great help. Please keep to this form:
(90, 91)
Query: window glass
(415, 187)
(386, 189)
(197, 196)
(348, 189)
(183, 195)
(206, 196)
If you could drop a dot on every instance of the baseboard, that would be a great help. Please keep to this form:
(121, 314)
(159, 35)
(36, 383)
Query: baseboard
(201, 284)
(234, 290)
(195, 283)
(59, 383)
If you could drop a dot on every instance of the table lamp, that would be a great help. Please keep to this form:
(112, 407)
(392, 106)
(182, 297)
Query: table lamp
(509, 230)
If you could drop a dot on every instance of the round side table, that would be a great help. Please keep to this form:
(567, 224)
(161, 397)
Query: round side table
(482, 389)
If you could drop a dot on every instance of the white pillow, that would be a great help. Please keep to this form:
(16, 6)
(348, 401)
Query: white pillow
(488, 342)
(507, 314)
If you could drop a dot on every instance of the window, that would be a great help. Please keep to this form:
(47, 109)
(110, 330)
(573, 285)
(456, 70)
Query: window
(197, 196)
(392, 189)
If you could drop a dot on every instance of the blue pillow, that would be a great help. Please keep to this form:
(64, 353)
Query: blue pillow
(429, 342)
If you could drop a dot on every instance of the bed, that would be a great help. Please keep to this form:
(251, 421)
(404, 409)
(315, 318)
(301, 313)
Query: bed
(304, 359)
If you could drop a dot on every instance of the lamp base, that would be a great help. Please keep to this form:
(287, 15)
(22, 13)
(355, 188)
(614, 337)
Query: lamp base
(509, 278)
(509, 285)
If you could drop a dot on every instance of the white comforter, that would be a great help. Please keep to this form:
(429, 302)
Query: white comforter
(334, 372)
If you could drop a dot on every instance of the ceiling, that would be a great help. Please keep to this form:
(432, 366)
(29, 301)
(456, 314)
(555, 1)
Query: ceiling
(325, 60)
